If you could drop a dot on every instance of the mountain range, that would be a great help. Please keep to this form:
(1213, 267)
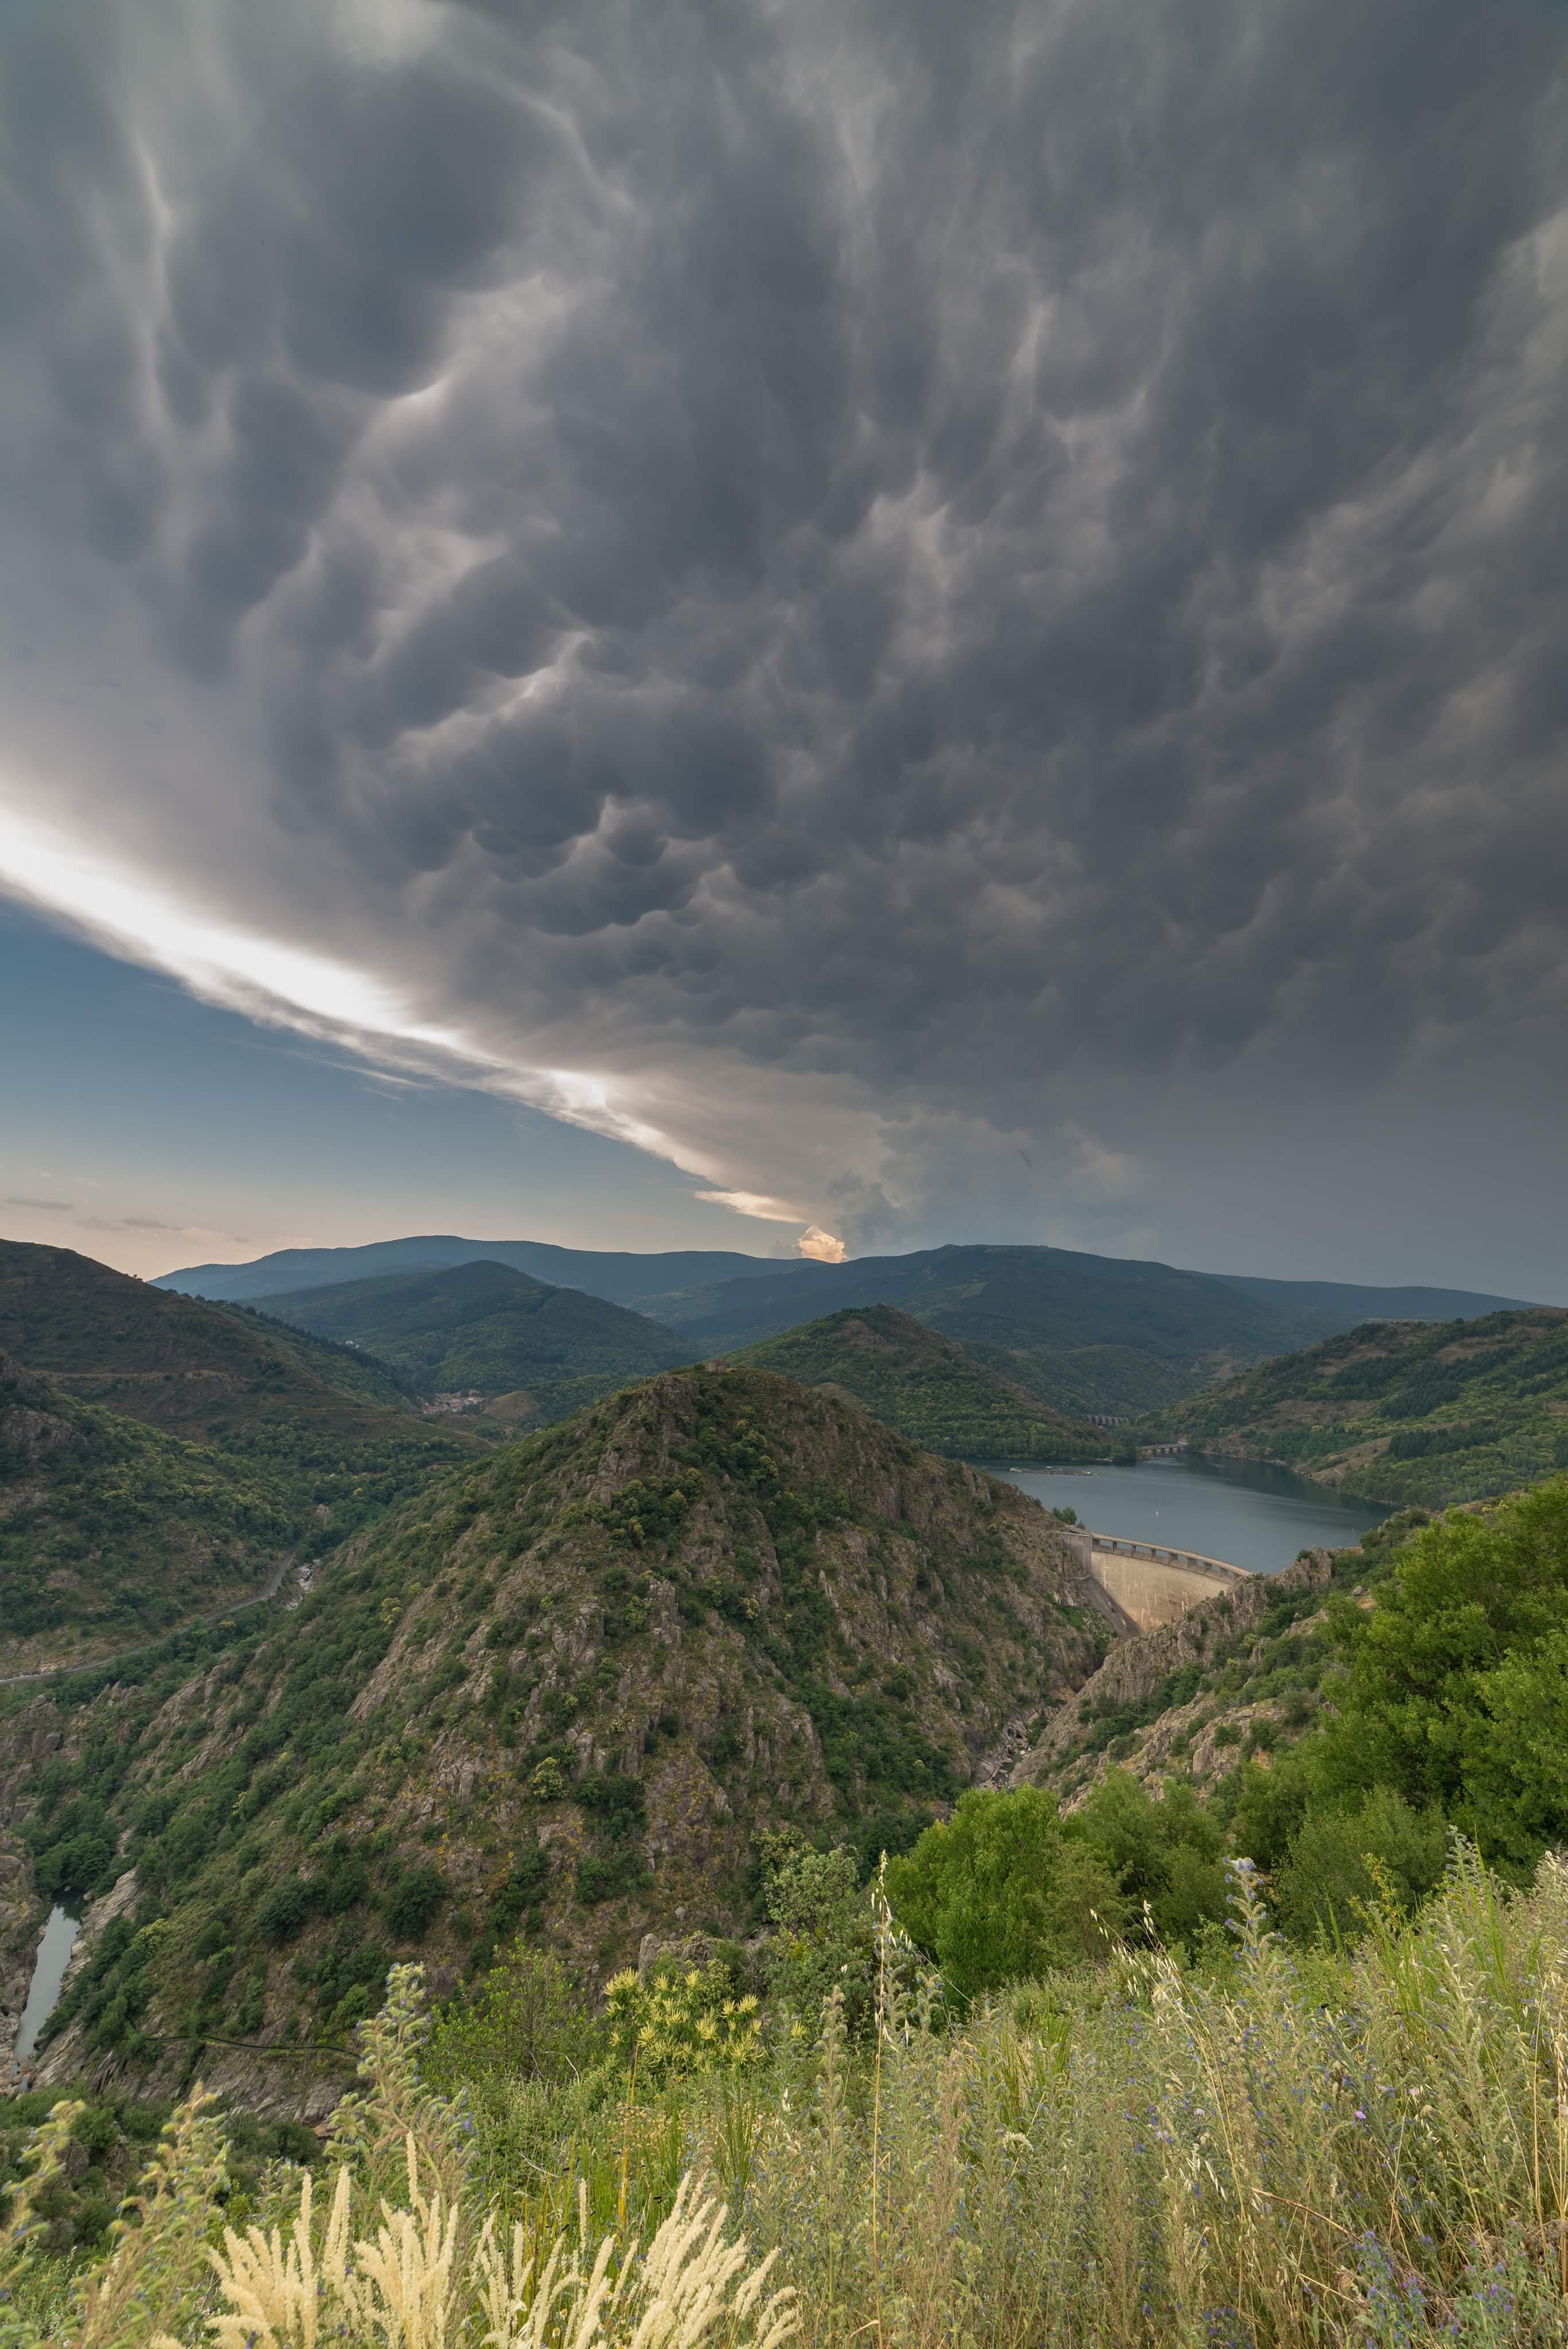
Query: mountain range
(1082, 1333)
(565, 1684)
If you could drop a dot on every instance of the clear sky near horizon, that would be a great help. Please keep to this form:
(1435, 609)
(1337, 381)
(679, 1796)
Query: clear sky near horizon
(651, 628)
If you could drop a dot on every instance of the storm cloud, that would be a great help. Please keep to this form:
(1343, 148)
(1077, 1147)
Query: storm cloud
(846, 574)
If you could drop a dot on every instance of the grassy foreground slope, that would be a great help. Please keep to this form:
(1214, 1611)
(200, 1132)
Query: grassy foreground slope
(570, 1687)
(488, 1327)
(111, 1531)
(1402, 1413)
(924, 1385)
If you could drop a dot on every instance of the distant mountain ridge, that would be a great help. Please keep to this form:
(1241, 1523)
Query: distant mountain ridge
(1083, 1333)
(488, 1328)
(616, 1274)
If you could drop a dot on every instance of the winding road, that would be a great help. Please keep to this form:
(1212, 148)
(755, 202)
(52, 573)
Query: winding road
(124, 1655)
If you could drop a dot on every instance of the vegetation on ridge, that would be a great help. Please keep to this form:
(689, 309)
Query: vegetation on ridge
(1404, 1412)
(923, 1384)
(109, 1530)
(485, 1328)
(204, 1438)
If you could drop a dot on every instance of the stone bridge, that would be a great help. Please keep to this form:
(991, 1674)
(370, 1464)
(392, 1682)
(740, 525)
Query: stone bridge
(1150, 1583)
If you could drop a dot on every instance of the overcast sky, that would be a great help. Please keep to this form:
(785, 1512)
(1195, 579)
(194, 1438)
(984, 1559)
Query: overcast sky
(648, 625)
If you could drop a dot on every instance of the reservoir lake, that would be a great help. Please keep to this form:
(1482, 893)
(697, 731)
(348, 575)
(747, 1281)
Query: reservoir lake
(1237, 1510)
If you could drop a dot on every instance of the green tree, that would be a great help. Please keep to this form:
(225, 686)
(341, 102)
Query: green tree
(1345, 1859)
(822, 1938)
(1165, 1853)
(1470, 1593)
(1000, 1893)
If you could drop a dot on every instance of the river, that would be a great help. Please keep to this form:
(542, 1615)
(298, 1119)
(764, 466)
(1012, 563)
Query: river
(1237, 1510)
(49, 1972)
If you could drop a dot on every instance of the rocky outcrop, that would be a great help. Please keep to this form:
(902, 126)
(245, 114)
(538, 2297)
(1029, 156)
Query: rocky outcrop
(1137, 1669)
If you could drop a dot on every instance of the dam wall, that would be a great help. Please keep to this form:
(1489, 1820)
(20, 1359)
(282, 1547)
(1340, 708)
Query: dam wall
(1150, 1583)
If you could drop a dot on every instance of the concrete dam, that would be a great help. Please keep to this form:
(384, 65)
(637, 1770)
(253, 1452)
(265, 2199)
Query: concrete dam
(1150, 1583)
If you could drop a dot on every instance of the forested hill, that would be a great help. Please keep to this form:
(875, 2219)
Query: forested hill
(111, 1531)
(315, 1438)
(489, 1328)
(206, 1372)
(925, 1385)
(1401, 1412)
(572, 1684)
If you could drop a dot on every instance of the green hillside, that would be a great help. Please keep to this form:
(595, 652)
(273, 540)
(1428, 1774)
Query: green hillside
(924, 1385)
(111, 1531)
(571, 1685)
(1402, 1413)
(488, 1328)
(329, 1440)
(1082, 1333)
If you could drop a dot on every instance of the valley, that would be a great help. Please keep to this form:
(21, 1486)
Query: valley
(646, 1663)
(567, 1689)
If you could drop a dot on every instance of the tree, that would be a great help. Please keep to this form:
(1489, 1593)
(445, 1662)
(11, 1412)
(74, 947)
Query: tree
(821, 1939)
(1346, 1859)
(1000, 1893)
(1164, 1853)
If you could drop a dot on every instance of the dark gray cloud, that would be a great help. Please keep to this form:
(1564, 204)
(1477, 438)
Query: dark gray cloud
(924, 553)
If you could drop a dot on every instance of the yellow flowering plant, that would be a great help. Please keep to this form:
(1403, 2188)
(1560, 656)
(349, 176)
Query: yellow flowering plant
(682, 2020)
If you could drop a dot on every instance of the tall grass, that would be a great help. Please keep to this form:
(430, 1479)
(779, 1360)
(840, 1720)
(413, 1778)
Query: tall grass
(1368, 2146)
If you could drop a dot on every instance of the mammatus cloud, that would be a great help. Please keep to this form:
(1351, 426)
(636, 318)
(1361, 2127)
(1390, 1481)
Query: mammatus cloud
(809, 589)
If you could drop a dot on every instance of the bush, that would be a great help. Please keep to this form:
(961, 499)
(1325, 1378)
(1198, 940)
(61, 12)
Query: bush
(1346, 1862)
(410, 1906)
(823, 1940)
(680, 2022)
(604, 1876)
(526, 2020)
(284, 1913)
(1000, 1894)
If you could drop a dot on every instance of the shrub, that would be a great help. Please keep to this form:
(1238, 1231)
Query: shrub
(679, 2022)
(1000, 1893)
(284, 1913)
(410, 1906)
(1348, 1861)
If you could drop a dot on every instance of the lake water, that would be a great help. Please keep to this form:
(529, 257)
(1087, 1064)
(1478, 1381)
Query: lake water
(1237, 1510)
(49, 1972)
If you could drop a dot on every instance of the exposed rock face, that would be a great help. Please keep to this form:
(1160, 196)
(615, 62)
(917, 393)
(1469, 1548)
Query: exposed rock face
(1136, 1670)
